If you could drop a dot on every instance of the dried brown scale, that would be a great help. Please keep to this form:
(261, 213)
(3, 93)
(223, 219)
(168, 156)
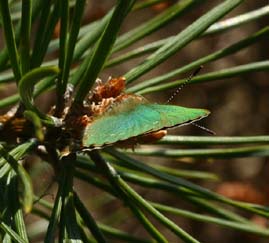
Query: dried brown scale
(101, 107)
(111, 89)
(110, 105)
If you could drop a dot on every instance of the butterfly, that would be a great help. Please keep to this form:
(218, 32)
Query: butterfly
(118, 116)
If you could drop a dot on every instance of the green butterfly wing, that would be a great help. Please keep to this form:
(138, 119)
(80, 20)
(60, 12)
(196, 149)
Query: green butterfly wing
(143, 118)
(177, 115)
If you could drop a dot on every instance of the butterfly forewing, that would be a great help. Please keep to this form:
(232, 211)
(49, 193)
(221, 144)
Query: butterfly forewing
(112, 128)
(177, 115)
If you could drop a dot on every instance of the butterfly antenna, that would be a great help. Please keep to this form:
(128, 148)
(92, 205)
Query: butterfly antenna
(203, 128)
(182, 85)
